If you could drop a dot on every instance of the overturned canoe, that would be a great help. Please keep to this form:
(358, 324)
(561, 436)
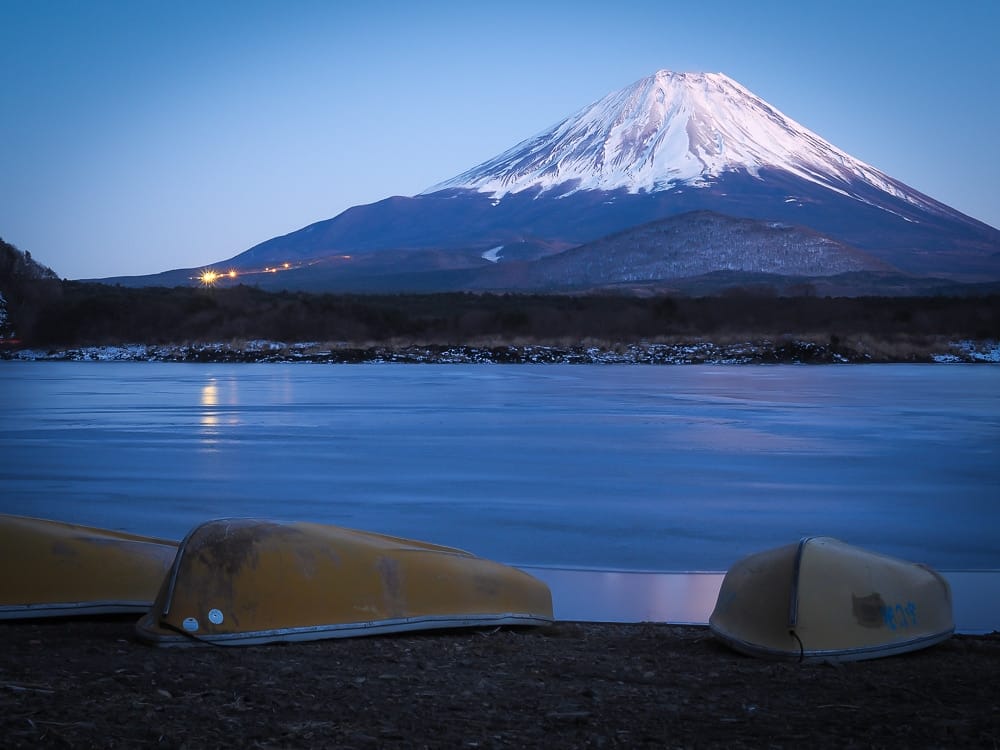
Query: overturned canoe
(822, 599)
(55, 569)
(247, 581)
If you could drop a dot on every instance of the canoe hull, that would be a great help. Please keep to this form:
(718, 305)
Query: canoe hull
(55, 569)
(247, 581)
(823, 600)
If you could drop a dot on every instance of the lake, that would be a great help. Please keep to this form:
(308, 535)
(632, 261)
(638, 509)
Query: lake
(616, 468)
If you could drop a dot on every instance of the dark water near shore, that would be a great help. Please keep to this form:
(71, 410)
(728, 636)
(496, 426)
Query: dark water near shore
(673, 468)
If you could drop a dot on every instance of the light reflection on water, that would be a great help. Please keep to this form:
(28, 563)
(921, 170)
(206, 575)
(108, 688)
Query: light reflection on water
(625, 596)
(218, 407)
(689, 598)
(209, 415)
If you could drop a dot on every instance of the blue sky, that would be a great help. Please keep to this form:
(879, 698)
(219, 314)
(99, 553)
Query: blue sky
(141, 136)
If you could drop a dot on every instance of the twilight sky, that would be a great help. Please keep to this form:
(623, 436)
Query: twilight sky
(140, 136)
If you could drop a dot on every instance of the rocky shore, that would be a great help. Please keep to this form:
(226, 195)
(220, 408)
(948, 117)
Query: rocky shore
(88, 683)
(698, 352)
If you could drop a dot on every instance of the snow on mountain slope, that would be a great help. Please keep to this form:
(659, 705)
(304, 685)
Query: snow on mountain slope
(671, 129)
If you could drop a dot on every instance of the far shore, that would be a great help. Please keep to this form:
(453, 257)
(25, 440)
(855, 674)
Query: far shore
(780, 351)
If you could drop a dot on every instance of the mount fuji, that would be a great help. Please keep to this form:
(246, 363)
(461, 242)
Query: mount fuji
(668, 130)
(670, 146)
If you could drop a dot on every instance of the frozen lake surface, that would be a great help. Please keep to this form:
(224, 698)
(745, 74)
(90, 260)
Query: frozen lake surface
(625, 468)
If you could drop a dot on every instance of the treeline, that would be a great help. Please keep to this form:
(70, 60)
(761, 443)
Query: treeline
(26, 287)
(93, 314)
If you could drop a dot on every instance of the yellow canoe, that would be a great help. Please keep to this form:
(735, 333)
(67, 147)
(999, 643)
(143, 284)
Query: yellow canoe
(822, 599)
(55, 569)
(247, 581)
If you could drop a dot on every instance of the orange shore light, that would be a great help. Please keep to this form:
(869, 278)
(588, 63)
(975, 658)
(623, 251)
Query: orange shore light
(208, 277)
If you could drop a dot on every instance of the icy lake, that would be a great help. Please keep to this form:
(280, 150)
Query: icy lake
(624, 468)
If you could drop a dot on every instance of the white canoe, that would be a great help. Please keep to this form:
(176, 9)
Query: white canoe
(822, 599)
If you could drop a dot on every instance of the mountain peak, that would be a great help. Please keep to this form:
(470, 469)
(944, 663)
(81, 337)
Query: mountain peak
(666, 131)
(690, 77)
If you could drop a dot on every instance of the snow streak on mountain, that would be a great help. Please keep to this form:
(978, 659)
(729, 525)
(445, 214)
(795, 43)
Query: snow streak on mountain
(667, 130)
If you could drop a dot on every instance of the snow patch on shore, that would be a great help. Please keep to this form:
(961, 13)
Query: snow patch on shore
(698, 352)
(976, 351)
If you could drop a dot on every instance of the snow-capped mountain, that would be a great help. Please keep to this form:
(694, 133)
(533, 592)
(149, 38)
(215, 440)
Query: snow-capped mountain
(668, 130)
(669, 144)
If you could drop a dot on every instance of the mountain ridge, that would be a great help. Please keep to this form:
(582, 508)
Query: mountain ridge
(695, 244)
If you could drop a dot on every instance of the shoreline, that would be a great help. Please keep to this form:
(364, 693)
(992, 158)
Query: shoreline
(568, 685)
(791, 351)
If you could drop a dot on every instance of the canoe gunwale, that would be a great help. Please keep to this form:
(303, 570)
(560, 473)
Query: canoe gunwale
(159, 637)
(835, 655)
(72, 609)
